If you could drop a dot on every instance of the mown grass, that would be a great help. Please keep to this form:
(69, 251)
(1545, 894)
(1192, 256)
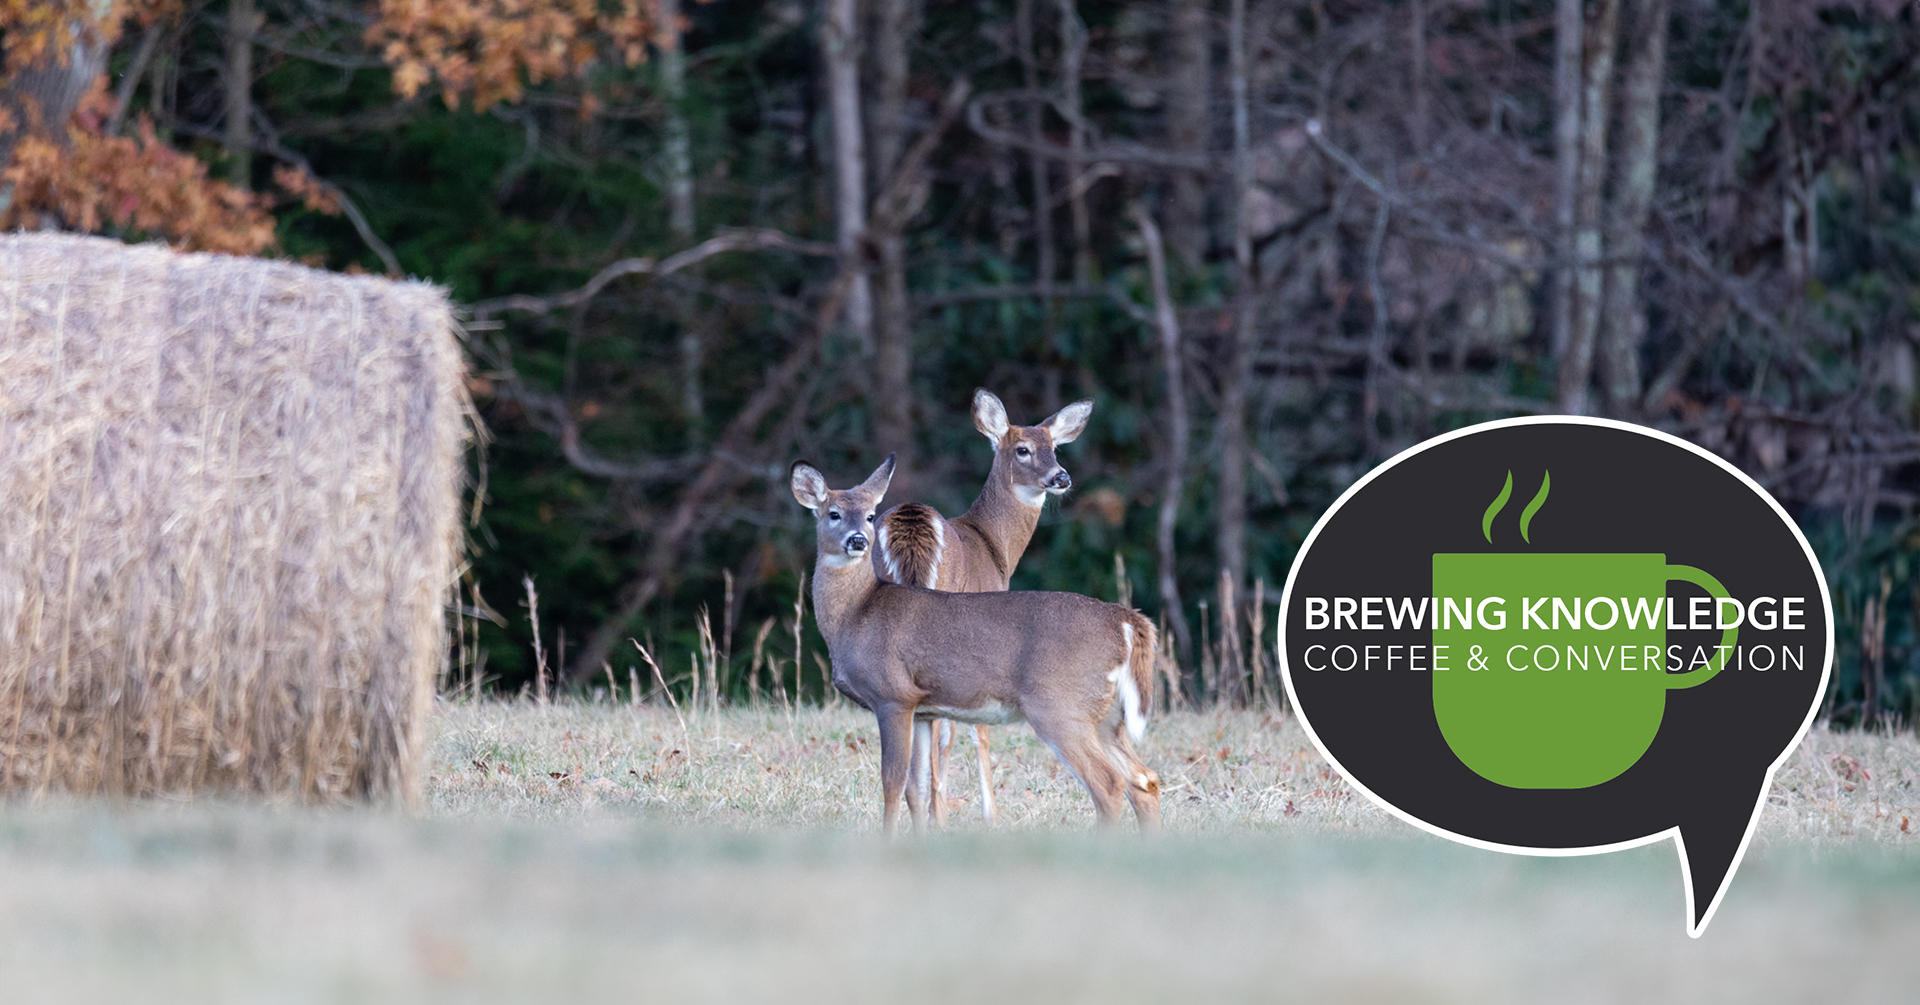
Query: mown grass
(745, 868)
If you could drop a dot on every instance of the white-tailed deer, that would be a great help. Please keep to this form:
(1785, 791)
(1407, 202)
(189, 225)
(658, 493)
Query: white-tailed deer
(975, 552)
(1079, 670)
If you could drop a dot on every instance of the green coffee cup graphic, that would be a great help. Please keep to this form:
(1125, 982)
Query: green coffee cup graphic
(1570, 688)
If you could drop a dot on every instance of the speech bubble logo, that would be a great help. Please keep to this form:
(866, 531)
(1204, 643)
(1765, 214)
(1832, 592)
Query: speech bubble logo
(1632, 657)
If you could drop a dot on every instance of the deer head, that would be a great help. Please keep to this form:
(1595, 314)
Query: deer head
(843, 520)
(1023, 455)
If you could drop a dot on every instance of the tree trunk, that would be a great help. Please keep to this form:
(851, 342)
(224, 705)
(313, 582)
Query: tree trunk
(1576, 365)
(1623, 324)
(1566, 166)
(242, 22)
(1172, 485)
(678, 154)
(1044, 261)
(893, 28)
(679, 144)
(42, 97)
(1422, 117)
(1231, 491)
(1073, 51)
(840, 47)
(1187, 128)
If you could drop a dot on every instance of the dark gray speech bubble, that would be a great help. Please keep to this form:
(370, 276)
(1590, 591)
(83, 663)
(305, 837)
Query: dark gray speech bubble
(1599, 751)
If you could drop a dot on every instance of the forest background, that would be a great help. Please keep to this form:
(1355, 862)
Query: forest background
(1276, 241)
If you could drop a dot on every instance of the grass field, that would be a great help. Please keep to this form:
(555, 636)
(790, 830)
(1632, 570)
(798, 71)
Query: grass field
(581, 852)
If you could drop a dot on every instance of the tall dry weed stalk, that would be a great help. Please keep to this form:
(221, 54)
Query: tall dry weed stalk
(726, 629)
(709, 655)
(1167, 660)
(759, 659)
(539, 651)
(1209, 666)
(798, 623)
(1257, 653)
(659, 678)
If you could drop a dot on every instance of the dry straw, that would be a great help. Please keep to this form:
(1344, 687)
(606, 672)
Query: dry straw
(228, 522)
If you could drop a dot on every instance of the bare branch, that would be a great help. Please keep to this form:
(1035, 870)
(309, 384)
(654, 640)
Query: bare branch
(753, 239)
(1115, 151)
(1412, 207)
(694, 499)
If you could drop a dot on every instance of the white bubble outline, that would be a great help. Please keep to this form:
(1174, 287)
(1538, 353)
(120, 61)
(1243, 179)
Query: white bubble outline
(1680, 844)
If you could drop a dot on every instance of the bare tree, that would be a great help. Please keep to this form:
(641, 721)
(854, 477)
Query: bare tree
(678, 156)
(1174, 482)
(840, 47)
(1417, 49)
(1188, 87)
(1576, 363)
(679, 145)
(42, 96)
(1045, 266)
(894, 25)
(1623, 322)
(243, 21)
(1073, 52)
(1231, 429)
(1566, 167)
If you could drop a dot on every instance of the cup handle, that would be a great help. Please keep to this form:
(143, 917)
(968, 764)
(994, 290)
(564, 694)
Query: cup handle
(1704, 580)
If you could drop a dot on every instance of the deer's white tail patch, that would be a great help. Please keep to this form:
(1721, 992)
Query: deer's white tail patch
(1129, 694)
(939, 552)
(886, 555)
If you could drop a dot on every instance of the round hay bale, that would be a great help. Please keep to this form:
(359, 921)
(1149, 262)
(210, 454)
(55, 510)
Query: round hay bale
(229, 517)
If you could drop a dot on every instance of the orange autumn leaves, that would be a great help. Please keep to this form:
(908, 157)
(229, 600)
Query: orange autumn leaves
(138, 184)
(487, 51)
(491, 50)
(87, 179)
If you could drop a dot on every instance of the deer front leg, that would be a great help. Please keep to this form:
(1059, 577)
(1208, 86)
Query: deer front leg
(896, 754)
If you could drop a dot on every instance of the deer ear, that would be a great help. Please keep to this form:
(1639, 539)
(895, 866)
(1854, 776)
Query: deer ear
(876, 483)
(989, 415)
(809, 485)
(1068, 423)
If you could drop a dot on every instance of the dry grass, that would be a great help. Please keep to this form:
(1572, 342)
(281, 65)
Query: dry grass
(228, 523)
(820, 768)
(744, 868)
(1222, 772)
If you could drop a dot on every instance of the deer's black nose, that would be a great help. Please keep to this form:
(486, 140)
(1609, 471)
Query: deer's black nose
(857, 542)
(1060, 480)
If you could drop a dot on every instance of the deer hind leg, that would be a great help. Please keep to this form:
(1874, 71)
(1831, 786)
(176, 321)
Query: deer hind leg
(937, 773)
(1079, 747)
(1141, 784)
(896, 754)
(985, 762)
(921, 763)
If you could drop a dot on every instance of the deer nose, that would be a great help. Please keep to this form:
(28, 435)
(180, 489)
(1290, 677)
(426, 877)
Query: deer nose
(1060, 480)
(857, 542)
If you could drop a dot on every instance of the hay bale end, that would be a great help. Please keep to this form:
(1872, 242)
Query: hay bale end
(229, 520)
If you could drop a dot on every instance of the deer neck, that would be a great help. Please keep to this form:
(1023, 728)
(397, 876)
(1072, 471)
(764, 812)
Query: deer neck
(1004, 519)
(840, 587)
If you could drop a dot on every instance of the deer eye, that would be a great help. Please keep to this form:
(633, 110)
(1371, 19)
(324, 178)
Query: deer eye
(870, 517)
(1023, 451)
(833, 515)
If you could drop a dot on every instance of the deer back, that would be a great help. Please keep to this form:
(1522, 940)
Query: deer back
(1029, 653)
